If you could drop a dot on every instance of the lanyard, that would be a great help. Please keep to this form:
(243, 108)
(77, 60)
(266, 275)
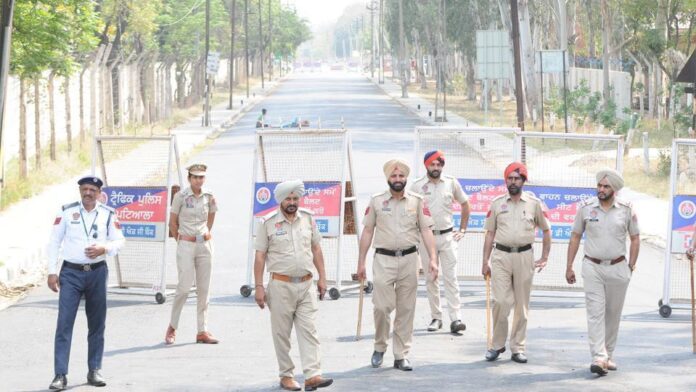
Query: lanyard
(87, 233)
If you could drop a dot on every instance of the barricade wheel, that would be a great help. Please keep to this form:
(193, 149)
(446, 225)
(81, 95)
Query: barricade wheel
(665, 311)
(245, 290)
(160, 298)
(369, 287)
(334, 293)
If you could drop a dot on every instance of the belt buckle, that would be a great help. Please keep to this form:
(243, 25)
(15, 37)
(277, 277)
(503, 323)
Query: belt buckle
(86, 267)
(399, 253)
(515, 249)
(200, 238)
(296, 279)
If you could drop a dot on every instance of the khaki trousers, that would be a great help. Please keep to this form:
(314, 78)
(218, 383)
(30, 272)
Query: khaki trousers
(447, 259)
(193, 260)
(395, 287)
(294, 303)
(605, 291)
(511, 285)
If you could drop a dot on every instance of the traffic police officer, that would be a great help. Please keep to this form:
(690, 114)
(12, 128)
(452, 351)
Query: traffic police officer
(397, 219)
(606, 221)
(511, 224)
(190, 221)
(87, 231)
(288, 242)
(440, 191)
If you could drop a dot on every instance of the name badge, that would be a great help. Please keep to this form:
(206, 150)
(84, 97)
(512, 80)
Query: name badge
(281, 232)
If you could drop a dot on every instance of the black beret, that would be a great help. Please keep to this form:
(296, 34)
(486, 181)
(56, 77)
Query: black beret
(91, 180)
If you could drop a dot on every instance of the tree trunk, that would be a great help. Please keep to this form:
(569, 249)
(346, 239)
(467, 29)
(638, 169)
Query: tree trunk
(82, 107)
(403, 70)
(470, 80)
(528, 57)
(22, 129)
(661, 29)
(68, 115)
(591, 47)
(52, 116)
(37, 121)
(606, 50)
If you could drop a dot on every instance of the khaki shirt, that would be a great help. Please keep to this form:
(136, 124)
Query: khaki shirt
(515, 223)
(439, 195)
(193, 211)
(288, 245)
(605, 231)
(397, 223)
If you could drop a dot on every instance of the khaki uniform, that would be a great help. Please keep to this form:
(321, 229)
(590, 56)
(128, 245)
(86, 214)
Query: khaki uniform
(288, 248)
(193, 259)
(605, 284)
(514, 224)
(397, 226)
(440, 194)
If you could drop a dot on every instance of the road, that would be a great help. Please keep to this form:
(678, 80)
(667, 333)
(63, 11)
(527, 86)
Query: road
(653, 353)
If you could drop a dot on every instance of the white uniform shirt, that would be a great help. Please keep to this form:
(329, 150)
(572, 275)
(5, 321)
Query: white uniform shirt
(76, 229)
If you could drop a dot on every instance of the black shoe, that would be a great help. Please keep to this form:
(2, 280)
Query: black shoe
(457, 326)
(519, 358)
(377, 358)
(599, 368)
(492, 355)
(403, 364)
(95, 379)
(434, 325)
(59, 383)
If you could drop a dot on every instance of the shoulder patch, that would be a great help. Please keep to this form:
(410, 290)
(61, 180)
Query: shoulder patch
(71, 205)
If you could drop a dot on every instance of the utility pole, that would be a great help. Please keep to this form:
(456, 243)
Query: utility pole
(206, 121)
(246, 44)
(5, 40)
(261, 43)
(231, 76)
(514, 16)
(381, 42)
(270, 43)
(372, 7)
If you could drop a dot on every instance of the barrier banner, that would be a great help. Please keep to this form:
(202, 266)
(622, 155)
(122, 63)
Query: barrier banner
(683, 218)
(142, 211)
(561, 203)
(322, 198)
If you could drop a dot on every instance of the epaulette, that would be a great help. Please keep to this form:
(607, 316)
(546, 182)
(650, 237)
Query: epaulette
(268, 216)
(306, 211)
(448, 176)
(71, 205)
(378, 194)
(504, 195)
(414, 194)
(420, 179)
(206, 191)
(111, 210)
(531, 195)
(624, 203)
(586, 202)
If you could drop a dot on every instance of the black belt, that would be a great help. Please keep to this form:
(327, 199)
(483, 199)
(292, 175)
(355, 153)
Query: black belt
(514, 249)
(84, 267)
(438, 232)
(396, 253)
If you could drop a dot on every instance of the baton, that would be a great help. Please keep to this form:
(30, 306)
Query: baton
(488, 311)
(360, 307)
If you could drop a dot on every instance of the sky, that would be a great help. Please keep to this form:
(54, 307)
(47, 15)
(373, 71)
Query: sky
(320, 12)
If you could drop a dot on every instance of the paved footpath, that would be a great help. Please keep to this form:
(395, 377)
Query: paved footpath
(653, 353)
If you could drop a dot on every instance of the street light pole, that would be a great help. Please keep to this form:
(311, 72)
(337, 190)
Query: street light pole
(518, 63)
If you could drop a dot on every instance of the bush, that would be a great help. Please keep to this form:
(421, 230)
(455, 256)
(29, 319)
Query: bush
(664, 164)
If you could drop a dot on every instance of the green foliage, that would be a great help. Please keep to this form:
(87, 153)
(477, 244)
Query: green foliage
(664, 164)
(584, 104)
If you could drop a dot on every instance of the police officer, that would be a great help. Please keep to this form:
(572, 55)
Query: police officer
(396, 219)
(606, 221)
(510, 226)
(440, 191)
(288, 242)
(88, 231)
(190, 221)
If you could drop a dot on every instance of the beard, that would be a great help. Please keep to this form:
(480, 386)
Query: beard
(397, 186)
(434, 174)
(514, 189)
(605, 195)
(290, 209)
